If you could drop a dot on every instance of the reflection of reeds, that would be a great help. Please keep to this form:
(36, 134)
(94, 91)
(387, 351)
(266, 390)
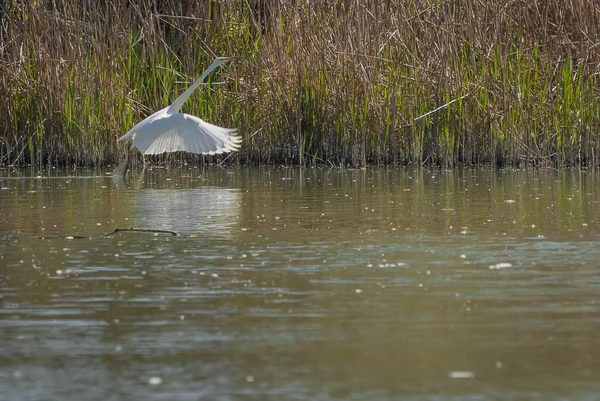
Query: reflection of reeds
(344, 83)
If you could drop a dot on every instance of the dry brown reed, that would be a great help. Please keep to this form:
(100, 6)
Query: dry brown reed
(446, 83)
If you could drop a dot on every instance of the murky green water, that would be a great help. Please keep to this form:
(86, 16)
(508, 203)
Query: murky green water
(290, 284)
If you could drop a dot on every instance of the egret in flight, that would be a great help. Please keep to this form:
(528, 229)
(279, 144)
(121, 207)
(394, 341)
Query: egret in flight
(169, 130)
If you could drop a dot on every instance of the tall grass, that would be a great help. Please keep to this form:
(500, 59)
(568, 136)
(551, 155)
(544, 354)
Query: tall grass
(337, 83)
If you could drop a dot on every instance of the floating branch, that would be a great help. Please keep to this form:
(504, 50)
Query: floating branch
(147, 230)
(116, 230)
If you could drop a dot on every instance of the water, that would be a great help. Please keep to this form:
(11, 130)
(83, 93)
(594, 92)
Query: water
(304, 284)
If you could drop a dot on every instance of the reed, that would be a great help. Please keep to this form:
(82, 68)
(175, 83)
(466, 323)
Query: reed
(346, 83)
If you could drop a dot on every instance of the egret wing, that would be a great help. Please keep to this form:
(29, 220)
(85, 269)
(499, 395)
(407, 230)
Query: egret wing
(185, 133)
(141, 126)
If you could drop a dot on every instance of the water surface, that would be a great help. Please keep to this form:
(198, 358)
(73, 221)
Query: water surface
(317, 284)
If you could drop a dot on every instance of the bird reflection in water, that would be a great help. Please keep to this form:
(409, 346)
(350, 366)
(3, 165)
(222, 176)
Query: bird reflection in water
(203, 211)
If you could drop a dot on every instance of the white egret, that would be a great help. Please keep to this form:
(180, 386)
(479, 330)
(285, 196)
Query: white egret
(169, 130)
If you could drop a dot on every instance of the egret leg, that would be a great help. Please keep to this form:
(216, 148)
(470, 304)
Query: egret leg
(122, 168)
(141, 176)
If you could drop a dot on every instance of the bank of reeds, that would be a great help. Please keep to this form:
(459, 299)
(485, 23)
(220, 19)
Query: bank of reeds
(443, 83)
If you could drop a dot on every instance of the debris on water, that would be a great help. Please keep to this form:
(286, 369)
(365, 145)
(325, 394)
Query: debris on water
(461, 375)
(384, 265)
(154, 381)
(358, 290)
(501, 265)
(509, 201)
(498, 364)
(249, 379)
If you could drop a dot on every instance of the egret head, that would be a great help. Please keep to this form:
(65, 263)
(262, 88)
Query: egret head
(220, 60)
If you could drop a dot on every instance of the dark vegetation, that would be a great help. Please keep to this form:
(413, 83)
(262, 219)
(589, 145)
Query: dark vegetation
(352, 82)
